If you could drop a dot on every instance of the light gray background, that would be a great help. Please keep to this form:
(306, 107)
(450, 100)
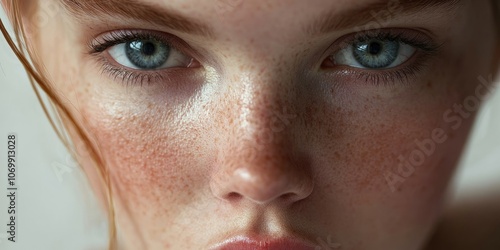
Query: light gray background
(56, 209)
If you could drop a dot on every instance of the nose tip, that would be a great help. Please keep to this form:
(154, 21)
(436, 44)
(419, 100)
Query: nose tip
(261, 183)
(265, 188)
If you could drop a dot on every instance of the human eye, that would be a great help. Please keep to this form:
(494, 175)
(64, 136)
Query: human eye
(382, 56)
(138, 57)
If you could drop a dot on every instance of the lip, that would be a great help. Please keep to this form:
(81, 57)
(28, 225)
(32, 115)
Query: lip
(263, 243)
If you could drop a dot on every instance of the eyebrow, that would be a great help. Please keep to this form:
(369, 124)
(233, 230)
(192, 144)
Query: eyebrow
(375, 13)
(83, 10)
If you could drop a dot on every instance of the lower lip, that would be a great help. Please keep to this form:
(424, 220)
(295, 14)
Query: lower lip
(250, 244)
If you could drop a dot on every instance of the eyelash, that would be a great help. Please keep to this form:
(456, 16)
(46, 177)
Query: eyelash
(426, 49)
(130, 76)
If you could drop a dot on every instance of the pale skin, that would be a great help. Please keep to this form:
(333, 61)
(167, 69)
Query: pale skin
(261, 133)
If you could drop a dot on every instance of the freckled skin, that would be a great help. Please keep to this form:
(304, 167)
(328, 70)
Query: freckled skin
(271, 143)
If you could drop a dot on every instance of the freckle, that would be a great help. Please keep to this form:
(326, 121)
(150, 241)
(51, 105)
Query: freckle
(329, 131)
(337, 155)
(429, 84)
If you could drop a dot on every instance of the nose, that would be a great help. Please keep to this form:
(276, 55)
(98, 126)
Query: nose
(261, 160)
(262, 180)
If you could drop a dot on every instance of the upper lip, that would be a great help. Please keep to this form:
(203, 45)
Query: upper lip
(244, 242)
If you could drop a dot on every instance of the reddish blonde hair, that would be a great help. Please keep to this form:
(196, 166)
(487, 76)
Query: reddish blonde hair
(62, 119)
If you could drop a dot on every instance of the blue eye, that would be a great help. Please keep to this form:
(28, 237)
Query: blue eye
(148, 54)
(374, 54)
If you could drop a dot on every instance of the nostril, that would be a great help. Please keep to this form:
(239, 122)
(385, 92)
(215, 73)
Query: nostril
(276, 175)
(233, 196)
(287, 196)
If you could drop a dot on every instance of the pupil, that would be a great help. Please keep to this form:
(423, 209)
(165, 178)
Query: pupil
(148, 48)
(375, 48)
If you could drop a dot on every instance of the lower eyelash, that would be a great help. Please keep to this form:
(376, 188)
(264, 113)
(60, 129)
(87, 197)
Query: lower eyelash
(129, 77)
(389, 77)
(386, 78)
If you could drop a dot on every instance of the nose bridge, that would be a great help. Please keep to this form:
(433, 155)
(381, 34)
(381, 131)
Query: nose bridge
(267, 111)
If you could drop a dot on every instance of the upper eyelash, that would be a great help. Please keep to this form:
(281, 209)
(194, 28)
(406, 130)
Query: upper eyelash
(122, 36)
(417, 40)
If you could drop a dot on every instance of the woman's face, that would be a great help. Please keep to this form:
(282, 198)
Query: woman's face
(333, 121)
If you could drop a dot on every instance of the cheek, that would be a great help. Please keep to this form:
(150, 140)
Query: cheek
(385, 162)
(148, 159)
(370, 137)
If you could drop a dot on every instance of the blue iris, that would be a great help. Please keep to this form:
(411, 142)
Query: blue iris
(375, 53)
(147, 54)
